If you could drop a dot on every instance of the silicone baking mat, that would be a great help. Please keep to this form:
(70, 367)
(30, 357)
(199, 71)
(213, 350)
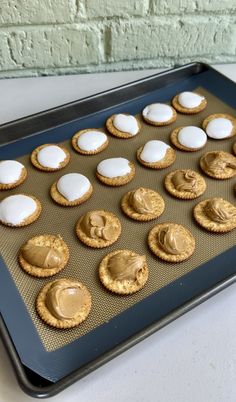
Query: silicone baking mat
(84, 261)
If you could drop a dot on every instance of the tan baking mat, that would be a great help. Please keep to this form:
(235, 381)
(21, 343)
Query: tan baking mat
(84, 260)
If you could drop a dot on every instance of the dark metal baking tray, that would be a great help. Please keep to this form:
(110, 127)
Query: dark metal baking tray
(196, 286)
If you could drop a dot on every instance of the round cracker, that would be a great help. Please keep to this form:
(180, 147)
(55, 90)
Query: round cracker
(168, 160)
(174, 139)
(157, 202)
(204, 221)
(35, 162)
(56, 243)
(185, 110)
(160, 252)
(59, 199)
(49, 319)
(185, 195)
(117, 133)
(163, 123)
(228, 171)
(120, 180)
(216, 116)
(98, 243)
(30, 218)
(125, 286)
(74, 142)
(16, 183)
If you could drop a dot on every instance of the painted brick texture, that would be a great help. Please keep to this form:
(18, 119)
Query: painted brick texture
(50, 47)
(185, 37)
(14, 12)
(112, 8)
(69, 36)
(160, 7)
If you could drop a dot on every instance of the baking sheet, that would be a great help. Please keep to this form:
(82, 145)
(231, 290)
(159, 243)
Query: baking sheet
(160, 273)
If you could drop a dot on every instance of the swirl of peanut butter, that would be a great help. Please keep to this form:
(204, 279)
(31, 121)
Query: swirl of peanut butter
(65, 299)
(217, 161)
(123, 266)
(185, 181)
(172, 240)
(219, 211)
(42, 256)
(140, 200)
(97, 226)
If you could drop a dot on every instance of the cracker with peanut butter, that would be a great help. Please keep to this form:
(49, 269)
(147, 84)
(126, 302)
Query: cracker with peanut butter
(218, 164)
(64, 303)
(215, 215)
(98, 228)
(185, 184)
(44, 255)
(142, 204)
(171, 242)
(123, 272)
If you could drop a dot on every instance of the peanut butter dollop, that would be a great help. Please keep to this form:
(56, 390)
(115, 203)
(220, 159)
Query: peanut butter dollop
(42, 256)
(184, 181)
(172, 240)
(123, 266)
(65, 299)
(216, 162)
(97, 226)
(141, 201)
(219, 211)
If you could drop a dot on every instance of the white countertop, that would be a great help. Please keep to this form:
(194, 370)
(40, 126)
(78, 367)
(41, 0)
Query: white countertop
(192, 359)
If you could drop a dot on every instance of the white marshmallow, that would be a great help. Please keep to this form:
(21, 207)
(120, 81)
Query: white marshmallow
(10, 171)
(154, 151)
(158, 112)
(16, 208)
(51, 156)
(91, 140)
(73, 186)
(219, 128)
(190, 100)
(192, 137)
(114, 167)
(126, 124)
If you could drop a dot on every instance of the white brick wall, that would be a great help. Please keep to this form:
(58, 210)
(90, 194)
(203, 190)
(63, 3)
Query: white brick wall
(160, 7)
(52, 47)
(112, 8)
(17, 12)
(175, 37)
(63, 36)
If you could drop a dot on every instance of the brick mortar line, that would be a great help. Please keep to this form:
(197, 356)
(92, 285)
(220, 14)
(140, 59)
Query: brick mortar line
(143, 63)
(168, 14)
(106, 22)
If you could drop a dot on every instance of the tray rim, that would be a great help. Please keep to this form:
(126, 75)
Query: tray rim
(26, 120)
(54, 388)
